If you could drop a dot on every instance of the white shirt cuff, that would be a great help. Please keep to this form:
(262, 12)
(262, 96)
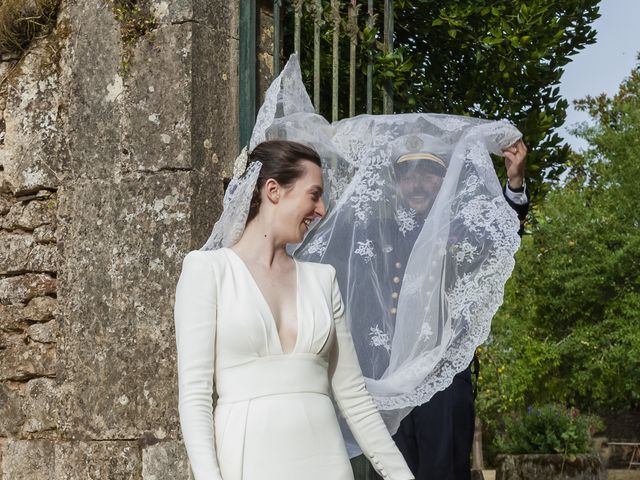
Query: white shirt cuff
(519, 198)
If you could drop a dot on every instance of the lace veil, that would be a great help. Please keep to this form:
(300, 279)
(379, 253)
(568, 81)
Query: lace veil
(236, 203)
(420, 288)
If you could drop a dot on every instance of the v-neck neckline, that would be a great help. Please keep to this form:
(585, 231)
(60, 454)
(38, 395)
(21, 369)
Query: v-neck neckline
(266, 303)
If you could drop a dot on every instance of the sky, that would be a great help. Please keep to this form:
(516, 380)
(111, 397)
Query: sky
(602, 66)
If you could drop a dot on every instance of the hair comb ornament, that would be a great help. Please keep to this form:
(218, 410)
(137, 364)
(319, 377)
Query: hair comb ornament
(240, 163)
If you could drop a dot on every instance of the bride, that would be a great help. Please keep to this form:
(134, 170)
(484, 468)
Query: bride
(270, 333)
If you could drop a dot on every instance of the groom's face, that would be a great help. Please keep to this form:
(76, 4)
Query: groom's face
(419, 182)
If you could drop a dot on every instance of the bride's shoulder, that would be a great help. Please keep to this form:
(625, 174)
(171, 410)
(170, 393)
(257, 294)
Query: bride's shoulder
(213, 258)
(318, 268)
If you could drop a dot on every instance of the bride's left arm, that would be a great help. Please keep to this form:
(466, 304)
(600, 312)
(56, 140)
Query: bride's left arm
(355, 403)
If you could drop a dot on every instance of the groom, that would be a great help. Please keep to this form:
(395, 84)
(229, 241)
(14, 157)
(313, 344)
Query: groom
(436, 437)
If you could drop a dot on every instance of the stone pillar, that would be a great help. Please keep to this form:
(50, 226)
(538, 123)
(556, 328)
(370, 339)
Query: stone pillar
(121, 127)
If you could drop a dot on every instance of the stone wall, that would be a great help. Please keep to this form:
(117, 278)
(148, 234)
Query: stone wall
(112, 163)
(550, 467)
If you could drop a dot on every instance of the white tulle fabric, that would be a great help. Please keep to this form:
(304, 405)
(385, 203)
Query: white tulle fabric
(236, 203)
(453, 265)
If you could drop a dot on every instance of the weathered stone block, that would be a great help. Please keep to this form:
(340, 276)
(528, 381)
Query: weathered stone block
(21, 358)
(22, 288)
(28, 460)
(167, 12)
(205, 12)
(15, 252)
(42, 332)
(40, 309)
(165, 461)
(11, 319)
(96, 88)
(97, 461)
(28, 408)
(5, 205)
(34, 146)
(159, 105)
(11, 416)
(45, 234)
(19, 253)
(31, 215)
(39, 405)
(117, 320)
(549, 467)
(43, 258)
(217, 147)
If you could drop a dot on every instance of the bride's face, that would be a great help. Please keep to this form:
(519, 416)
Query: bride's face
(300, 204)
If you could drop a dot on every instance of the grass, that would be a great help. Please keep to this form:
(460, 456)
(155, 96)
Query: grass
(134, 17)
(136, 21)
(23, 20)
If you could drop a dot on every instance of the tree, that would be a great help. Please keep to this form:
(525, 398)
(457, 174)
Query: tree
(570, 327)
(500, 59)
(486, 58)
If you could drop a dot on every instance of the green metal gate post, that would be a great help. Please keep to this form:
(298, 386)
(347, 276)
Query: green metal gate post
(370, 23)
(335, 70)
(387, 98)
(276, 37)
(317, 24)
(353, 43)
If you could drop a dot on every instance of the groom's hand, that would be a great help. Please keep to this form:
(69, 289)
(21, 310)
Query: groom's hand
(515, 158)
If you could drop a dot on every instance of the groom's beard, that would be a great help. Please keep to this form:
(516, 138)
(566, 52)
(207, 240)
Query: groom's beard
(418, 191)
(422, 206)
(420, 200)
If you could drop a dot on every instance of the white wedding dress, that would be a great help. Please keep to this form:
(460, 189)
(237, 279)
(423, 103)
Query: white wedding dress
(274, 418)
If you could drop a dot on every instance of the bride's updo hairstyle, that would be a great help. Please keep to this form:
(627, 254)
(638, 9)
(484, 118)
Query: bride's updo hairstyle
(282, 161)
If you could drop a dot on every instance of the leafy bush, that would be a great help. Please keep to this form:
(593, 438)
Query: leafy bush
(548, 429)
(568, 330)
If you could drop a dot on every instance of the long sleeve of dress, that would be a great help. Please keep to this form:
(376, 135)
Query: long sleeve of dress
(357, 406)
(195, 321)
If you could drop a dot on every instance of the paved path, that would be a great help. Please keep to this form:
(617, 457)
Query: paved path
(612, 474)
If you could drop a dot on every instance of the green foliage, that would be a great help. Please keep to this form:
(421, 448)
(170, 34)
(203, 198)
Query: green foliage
(500, 59)
(135, 20)
(569, 330)
(548, 429)
(21, 22)
(487, 58)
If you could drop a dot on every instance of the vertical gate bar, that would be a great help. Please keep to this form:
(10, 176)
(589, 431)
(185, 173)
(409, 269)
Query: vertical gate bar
(276, 37)
(247, 73)
(317, 19)
(335, 11)
(297, 25)
(370, 62)
(353, 34)
(387, 106)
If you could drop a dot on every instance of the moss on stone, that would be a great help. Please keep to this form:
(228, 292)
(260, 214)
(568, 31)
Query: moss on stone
(23, 20)
(136, 20)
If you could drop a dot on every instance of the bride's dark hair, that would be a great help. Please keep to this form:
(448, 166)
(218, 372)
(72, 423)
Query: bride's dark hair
(282, 161)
